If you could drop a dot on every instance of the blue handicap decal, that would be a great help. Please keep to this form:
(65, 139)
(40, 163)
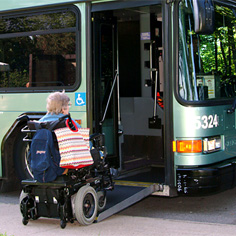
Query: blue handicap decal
(80, 99)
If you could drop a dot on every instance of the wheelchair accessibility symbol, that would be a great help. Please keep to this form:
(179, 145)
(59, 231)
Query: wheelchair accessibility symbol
(80, 99)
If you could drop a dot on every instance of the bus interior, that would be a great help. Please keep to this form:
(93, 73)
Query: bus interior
(128, 87)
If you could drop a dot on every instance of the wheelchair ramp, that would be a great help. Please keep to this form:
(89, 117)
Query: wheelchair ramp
(125, 194)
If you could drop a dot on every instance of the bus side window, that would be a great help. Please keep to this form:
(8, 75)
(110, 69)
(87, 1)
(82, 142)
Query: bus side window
(39, 49)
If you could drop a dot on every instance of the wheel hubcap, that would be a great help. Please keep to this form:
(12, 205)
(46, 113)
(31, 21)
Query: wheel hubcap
(88, 205)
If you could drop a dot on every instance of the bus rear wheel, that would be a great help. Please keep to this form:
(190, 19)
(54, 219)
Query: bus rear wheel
(21, 162)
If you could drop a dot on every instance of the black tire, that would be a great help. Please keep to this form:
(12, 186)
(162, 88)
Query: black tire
(63, 224)
(24, 221)
(102, 200)
(21, 150)
(22, 196)
(30, 212)
(86, 205)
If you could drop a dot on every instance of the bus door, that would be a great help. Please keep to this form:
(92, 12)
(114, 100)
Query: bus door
(140, 72)
(127, 47)
(128, 41)
(105, 82)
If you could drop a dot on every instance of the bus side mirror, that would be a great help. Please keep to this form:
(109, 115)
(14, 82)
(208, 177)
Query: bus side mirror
(204, 16)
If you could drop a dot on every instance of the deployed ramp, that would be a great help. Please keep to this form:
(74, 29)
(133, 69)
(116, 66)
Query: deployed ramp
(125, 194)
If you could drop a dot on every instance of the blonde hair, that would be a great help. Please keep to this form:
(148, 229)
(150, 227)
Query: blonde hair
(56, 102)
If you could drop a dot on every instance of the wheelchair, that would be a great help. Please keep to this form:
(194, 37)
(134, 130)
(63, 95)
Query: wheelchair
(79, 195)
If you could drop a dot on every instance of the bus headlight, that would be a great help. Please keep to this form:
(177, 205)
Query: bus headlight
(212, 144)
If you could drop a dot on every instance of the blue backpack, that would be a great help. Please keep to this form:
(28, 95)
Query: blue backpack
(44, 158)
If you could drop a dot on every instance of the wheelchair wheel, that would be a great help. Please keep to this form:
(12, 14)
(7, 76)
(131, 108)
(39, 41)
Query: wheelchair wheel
(27, 207)
(23, 210)
(102, 200)
(86, 205)
(22, 196)
(25, 221)
(63, 224)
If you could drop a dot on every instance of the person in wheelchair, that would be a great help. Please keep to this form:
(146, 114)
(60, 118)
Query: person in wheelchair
(78, 195)
(58, 105)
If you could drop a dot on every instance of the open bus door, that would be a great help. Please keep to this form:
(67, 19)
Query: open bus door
(127, 77)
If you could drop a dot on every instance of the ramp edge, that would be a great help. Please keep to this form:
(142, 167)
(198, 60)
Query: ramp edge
(126, 203)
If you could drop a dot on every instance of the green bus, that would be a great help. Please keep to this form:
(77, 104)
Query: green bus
(158, 78)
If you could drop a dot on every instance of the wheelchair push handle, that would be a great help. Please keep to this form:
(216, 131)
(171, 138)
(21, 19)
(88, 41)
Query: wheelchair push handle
(70, 123)
(65, 117)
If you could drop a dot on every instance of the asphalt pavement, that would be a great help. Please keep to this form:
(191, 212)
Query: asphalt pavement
(119, 224)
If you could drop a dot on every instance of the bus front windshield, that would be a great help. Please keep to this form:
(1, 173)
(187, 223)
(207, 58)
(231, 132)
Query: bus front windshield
(207, 61)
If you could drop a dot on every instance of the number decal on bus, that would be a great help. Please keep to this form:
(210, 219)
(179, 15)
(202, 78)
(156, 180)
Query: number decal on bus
(207, 122)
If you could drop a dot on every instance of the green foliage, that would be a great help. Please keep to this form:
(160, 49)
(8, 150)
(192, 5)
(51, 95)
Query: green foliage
(14, 79)
(23, 53)
(217, 51)
(5, 234)
(207, 53)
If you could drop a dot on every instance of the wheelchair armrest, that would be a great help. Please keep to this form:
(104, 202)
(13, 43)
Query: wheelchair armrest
(98, 139)
(94, 136)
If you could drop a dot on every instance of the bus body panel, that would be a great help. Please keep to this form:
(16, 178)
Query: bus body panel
(205, 173)
(204, 122)
(16, 104)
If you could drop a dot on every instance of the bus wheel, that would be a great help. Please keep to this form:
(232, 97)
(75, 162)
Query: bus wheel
(21, 151)
(86, 205)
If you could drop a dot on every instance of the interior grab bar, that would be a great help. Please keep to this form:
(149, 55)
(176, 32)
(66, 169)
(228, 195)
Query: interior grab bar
(109, 98)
